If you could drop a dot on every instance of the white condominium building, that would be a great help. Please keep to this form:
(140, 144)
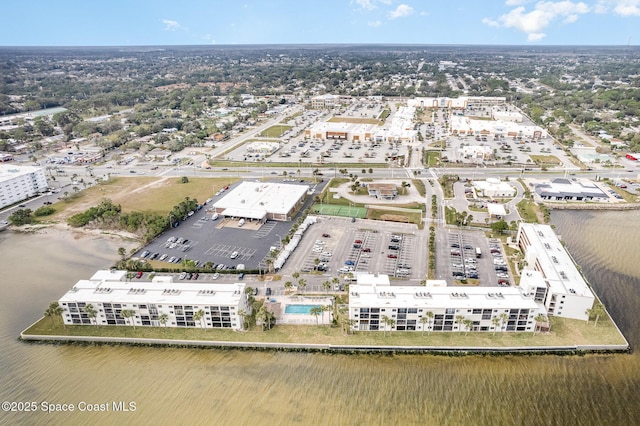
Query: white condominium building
(551, 273)
(158, 303)
(18, 183)
(453, 308)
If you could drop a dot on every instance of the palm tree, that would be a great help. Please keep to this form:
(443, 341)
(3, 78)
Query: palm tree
(53, 310)
(199, 316)
(242, 313)
(302, 283)
(91, 313)
(430, 315)
(539, 319)
(296, 275)
(335, 281)
(326, 308)
(265, 317)
(458, 320)
(163, 319)
(496, 323)
(467, 325)
(122, 252)
(326, 285)
(423, 321)
(129, 315)
(597, 310)
(404, 186)
(288, 285)
(503, 319)
(316, 311)
(388, 322)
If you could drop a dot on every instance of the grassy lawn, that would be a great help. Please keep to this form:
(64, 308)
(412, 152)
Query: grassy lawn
(419, 185)
(545, 159)
(396, 216)
(432, 158)
(356, 120)
(275, 131)
(563, 332)
(529, 211)
(151, 194)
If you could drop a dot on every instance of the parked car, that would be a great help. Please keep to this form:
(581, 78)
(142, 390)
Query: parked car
(392, 256)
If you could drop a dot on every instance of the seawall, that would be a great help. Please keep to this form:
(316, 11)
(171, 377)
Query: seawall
(329, 348)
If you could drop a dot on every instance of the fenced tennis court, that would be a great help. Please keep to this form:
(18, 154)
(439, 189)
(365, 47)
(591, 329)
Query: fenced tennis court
(337, 210)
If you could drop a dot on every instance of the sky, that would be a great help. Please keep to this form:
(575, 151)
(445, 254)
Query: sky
(225, 22)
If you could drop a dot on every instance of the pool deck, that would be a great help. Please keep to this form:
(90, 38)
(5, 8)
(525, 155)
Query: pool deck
(278, 304)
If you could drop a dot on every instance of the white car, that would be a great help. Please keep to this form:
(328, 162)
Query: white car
(215, 276)
(234, 255)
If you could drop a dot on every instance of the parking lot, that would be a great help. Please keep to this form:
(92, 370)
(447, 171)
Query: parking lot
(469, 255)
(337, 246)
(205, 237)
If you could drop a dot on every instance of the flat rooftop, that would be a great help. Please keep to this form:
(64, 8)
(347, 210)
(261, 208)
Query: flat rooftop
(107, 291)
(554, 260)
(11, 171)
(257, 198)
(440, 297)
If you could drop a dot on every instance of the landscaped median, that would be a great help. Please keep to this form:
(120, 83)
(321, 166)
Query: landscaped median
(567, 336)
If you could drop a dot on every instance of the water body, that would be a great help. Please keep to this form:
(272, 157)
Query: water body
(203, 386)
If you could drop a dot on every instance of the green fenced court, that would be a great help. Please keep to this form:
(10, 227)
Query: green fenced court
(337, 210)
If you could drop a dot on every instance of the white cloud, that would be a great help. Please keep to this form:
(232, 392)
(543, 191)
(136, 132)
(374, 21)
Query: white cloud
(516, 2)
(170, 25)
(403, 10)
(374, 24)
(543, 14)
(365, 4)
(627, 7)
(536, 36)
(619, 7)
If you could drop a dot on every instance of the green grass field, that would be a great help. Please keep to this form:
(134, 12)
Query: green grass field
(337, 210)
(275, 131)
(563, 332)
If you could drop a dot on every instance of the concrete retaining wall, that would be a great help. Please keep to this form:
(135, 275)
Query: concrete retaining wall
(328, 347)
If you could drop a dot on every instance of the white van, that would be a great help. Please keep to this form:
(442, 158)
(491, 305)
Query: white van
(241, 222)
(214, 216)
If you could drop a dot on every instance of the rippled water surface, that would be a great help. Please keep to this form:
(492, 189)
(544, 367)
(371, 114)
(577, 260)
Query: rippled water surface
(201, 386)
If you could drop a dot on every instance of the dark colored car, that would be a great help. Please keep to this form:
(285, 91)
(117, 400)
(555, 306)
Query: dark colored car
(268, 291)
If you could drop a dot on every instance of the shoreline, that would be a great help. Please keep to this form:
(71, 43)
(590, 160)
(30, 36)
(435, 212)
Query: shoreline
(330, 348)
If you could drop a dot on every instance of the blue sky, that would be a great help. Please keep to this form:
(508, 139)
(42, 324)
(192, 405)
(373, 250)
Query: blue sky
(189, 22)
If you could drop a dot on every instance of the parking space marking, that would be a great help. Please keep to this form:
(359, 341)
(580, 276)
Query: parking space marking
(264, 230)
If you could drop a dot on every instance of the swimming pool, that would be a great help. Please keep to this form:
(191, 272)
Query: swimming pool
(299, 309)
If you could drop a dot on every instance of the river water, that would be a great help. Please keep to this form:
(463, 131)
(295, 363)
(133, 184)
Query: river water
(204, 386)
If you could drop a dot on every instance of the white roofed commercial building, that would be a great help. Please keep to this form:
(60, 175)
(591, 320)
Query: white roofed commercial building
(262, 200)
(398, 130)
(373, 298)
(17, 183)
(458, 103)
(461, 125)
(109, 294)
(561, 189)
(551, 273)
(494, 187)
(324, 101)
